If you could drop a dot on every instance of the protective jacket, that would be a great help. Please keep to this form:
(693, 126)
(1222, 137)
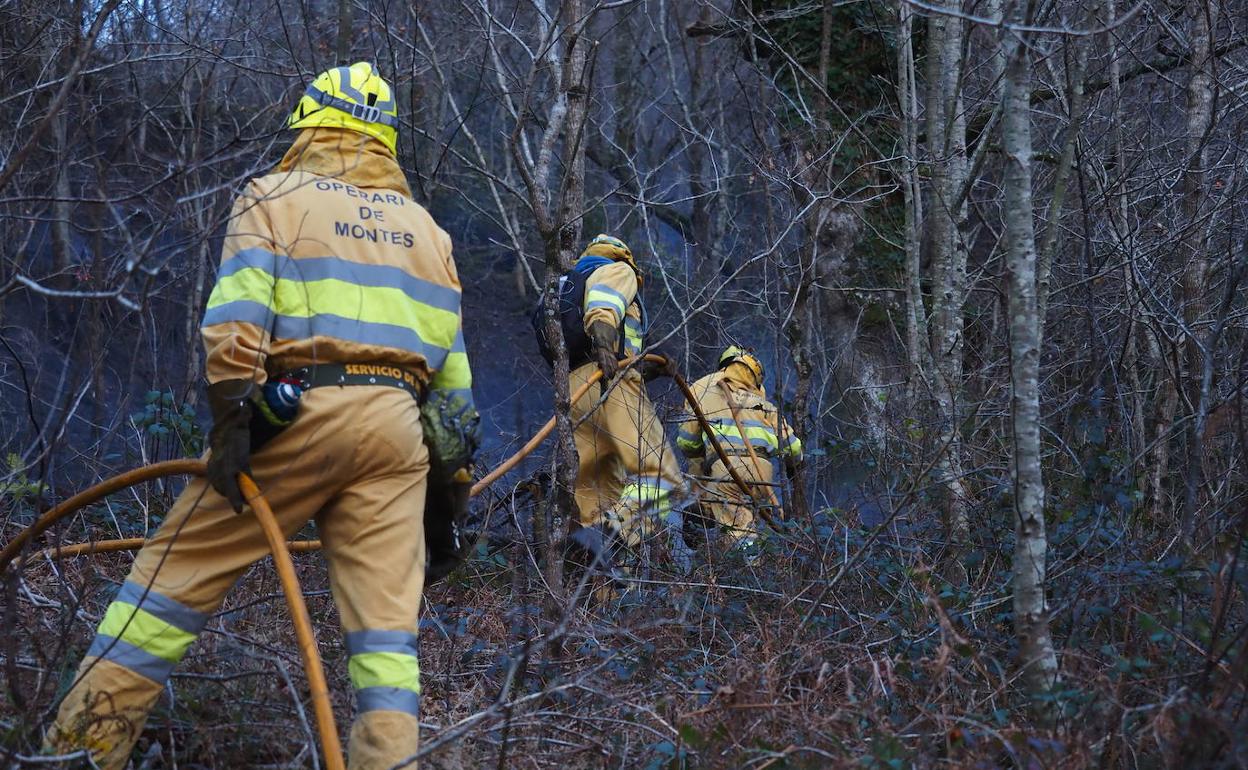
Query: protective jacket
(611, 295)
(328, 259)
(629, 478)
(767, 432)
(325, 260)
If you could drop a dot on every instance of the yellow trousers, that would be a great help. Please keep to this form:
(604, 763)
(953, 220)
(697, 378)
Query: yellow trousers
(629, 478)
(354, 461)
(732, 509)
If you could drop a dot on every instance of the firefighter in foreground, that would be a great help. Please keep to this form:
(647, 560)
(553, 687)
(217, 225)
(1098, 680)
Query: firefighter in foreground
(335, 312)
(737, 409)
(629, 477)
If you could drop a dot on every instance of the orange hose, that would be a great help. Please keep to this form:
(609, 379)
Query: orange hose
(532, 443)
(135, 543)
(318, 688)
(304, 634)
(304, 546)
(295, 546)
(330, 746)
(97, 492)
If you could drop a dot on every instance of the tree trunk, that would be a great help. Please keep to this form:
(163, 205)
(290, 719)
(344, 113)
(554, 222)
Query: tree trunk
(797, 332)
(62, 211)
(918, 355)
(946, 138)
(705, 258)
(802, 324)
(1051, 241)
(62, 234)
(1202, 17)
(1031, 616)
(562, 244)
(1117, 209)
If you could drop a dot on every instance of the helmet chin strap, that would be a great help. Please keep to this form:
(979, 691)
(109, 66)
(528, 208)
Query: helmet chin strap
(364, 112)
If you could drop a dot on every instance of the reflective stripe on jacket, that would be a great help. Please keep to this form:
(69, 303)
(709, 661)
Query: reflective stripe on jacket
(329, 261)
(611, 296)
(766, 431)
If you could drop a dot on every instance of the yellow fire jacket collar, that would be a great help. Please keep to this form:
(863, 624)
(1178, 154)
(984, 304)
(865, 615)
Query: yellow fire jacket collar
(347, 155)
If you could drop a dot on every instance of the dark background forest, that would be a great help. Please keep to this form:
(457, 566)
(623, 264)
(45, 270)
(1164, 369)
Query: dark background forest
(991, 253)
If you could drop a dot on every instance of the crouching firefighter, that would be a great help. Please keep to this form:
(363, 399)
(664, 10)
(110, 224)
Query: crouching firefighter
(629, 479)
(736, 407)
(324, 333)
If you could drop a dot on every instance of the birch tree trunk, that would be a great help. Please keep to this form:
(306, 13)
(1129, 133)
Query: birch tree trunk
(565, 239)
(576, 92)
(1203, 15)
(1117, 212)
(946, 142)
(918, 355)
(1031, 617)
(558, 205)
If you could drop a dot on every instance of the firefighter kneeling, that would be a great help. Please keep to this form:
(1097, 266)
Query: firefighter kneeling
(737, 410)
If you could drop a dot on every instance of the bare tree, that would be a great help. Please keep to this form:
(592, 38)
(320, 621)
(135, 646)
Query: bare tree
(557, 203)
(945, 126)
(1031, 613)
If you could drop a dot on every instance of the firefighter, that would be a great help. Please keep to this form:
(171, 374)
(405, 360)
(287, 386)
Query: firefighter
(331, 275)
(736, 407)
(629, 478)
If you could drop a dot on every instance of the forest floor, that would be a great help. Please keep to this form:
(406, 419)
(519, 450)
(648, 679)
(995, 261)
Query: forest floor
(838, 646)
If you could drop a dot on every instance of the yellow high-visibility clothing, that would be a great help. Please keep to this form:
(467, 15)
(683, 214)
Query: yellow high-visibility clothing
(353, 459)
(629, 477)
(767, 432)
(611, 295)
(329, 260)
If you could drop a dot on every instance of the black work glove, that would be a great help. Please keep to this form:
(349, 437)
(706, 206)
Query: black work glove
(605, 340)
(445, 535)
(230, 437)
(650, 370)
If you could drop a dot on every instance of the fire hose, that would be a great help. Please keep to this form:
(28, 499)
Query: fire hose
(304, 634)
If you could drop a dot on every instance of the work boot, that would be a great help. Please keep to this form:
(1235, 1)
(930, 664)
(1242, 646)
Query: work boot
(750, 548)
(694, 527)
(592, 553)
(682, 552)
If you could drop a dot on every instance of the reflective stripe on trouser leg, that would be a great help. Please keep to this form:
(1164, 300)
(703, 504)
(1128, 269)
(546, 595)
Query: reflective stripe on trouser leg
(384, 670)
(146, 632)
(142, 637)
(643, 497)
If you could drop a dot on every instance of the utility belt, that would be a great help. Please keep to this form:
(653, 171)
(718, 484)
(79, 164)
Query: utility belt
(321, 375)
(278, 402)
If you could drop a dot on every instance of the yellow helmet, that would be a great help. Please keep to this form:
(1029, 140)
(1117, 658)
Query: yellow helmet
(735, 354)
(612, 248)
(352, 97)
